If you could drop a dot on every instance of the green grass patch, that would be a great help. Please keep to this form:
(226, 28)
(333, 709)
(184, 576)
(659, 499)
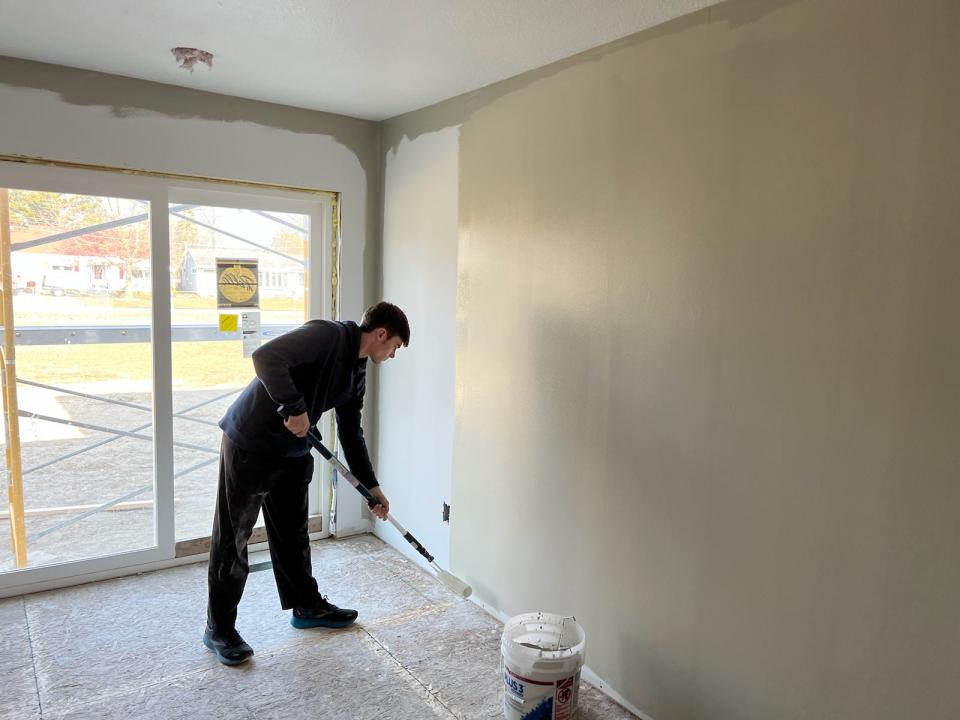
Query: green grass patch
(195, 364)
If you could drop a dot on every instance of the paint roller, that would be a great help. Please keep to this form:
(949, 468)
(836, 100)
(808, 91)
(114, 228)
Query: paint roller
(452, 582)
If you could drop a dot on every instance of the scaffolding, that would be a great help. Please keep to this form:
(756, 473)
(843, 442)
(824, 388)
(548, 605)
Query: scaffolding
(14, 469)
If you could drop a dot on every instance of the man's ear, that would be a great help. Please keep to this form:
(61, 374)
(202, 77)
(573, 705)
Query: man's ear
(381, 334)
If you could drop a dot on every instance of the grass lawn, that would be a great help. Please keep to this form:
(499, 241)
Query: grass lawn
(134, 309)
(195, 364)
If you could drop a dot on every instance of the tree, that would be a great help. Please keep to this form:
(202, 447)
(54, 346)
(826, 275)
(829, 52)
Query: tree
(31, 208)
(289, 242)
(183, 235)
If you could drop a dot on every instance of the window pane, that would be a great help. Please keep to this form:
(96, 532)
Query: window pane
(209, 366)
(82, 314)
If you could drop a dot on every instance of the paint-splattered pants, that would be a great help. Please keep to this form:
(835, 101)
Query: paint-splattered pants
(248, 482)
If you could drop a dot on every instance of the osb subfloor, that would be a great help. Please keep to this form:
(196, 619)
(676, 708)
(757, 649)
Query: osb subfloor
(130, 648)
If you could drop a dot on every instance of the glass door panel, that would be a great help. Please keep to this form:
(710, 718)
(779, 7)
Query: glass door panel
(82, 317)
(211, 362)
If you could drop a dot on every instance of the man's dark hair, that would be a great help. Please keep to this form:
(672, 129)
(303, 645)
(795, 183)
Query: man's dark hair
(388, 316)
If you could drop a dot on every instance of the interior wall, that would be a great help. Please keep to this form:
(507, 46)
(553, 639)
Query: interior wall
(415, 436)
(71, 115)
(707, 384)
(65, 114)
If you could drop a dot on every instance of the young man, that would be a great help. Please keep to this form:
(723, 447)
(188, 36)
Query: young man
(265, 461)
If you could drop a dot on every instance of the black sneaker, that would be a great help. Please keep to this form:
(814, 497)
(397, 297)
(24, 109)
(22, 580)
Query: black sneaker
(229, 647)
(322, 614)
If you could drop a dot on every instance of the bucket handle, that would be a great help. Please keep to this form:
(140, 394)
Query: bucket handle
(563, 625)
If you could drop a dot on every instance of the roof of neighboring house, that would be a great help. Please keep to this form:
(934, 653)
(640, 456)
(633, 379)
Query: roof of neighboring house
(206, 257)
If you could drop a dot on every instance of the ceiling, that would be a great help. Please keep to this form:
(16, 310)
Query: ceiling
(372, 59)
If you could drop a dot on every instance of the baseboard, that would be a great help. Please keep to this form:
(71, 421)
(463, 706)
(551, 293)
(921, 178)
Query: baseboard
(603, 686)
(201, 546)
(586, 673)
(343, 533)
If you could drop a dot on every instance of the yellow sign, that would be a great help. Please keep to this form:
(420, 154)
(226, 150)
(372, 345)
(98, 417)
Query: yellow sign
(228, 323)
(237, 284)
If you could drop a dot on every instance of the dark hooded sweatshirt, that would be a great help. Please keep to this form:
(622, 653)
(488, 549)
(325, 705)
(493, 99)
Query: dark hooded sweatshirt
(312, 369)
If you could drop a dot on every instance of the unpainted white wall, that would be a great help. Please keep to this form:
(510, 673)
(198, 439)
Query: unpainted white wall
(420, 275)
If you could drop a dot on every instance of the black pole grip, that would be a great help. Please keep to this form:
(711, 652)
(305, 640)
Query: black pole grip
(317, 445)
(312, 437)
(418, 547)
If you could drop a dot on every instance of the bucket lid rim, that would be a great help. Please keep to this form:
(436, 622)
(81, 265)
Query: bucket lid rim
(537, 654)
(540, 615)
(544, 618)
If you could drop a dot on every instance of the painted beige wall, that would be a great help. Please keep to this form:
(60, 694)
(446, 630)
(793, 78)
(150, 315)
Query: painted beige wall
(708, 357)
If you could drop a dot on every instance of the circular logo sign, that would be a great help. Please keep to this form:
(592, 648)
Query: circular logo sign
(237, 284)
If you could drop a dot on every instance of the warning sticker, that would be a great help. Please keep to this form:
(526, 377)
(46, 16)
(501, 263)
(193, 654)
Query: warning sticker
(228, 322)
(564, 698)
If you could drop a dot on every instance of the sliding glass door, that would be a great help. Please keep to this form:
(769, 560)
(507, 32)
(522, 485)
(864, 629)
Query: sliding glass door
(123, 344)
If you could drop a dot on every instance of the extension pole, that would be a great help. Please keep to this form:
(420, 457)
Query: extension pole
(452, 582)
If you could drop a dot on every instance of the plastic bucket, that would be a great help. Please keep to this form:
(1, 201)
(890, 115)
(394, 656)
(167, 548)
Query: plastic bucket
(541, 657)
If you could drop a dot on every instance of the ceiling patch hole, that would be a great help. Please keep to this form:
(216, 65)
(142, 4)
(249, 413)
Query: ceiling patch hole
(188, 57)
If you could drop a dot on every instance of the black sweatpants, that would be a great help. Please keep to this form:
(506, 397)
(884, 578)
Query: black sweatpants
(247, 482)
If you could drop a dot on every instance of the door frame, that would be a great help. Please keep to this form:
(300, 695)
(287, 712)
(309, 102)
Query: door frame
(159, 190)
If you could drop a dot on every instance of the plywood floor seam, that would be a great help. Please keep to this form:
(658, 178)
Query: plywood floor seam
(414, 678)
